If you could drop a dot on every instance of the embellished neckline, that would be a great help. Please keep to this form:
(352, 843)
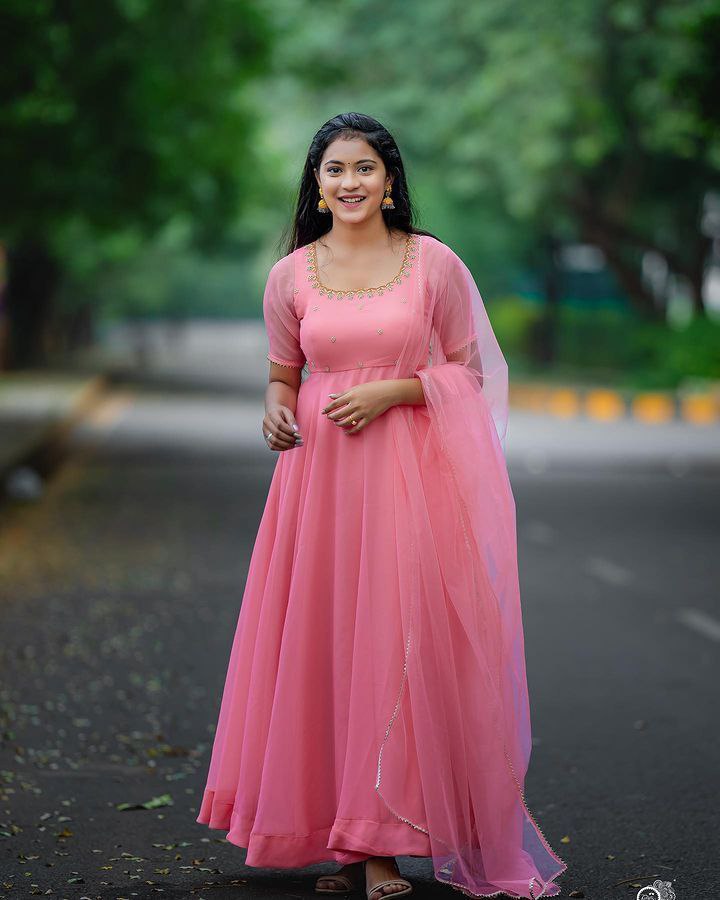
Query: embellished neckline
(410, 254)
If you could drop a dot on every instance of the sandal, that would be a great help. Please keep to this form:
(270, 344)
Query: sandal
(407, 889)
(346, 880)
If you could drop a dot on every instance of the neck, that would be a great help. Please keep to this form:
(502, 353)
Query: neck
(364, 235)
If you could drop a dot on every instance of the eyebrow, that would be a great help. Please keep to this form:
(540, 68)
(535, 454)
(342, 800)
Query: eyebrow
(327, 162)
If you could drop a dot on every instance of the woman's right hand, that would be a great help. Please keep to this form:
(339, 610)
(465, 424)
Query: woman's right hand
(280, 424)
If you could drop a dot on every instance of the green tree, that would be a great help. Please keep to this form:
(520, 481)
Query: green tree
(117, 118)
(594, 120)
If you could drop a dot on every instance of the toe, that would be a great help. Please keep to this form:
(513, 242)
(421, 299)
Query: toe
(389, 889)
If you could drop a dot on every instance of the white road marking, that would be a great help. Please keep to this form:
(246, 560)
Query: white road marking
(700, 622)
(608, 571)
(540, 532)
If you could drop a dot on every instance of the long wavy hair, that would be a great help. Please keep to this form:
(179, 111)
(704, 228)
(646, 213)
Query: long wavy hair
(308, 223)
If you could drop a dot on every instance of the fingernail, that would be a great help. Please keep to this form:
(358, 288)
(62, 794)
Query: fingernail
(295, 428)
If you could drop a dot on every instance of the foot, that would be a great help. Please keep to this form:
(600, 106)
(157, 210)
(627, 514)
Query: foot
(382, 868)
(328, 883)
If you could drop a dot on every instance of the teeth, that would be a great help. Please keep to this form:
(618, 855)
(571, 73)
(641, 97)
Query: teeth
(358, 200)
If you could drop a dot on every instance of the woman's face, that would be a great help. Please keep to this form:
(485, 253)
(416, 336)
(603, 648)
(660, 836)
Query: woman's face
(350, 167)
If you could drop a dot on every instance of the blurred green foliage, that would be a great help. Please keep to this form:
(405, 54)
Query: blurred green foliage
(179, 285)
(118, 117)
(596, 120)
(152, 149)
(609, 346)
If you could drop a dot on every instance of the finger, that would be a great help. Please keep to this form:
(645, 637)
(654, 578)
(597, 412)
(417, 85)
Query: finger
(283, 428)
(287, 418)
(338, 401)
(278, 440)
(359, 427)
(344, 416)
(339, 412)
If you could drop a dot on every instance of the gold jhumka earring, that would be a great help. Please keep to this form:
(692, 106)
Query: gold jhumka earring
(387, 200)
(322, 205)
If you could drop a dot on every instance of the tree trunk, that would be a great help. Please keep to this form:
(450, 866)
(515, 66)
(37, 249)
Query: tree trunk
(616, 240)
(543, 335)
(33, 277)
(628, 274)
(696, 274)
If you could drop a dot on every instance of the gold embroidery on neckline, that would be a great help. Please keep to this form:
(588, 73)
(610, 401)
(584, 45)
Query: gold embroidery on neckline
(409, 256)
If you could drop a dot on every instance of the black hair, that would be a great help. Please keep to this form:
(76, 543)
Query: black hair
(308, 222)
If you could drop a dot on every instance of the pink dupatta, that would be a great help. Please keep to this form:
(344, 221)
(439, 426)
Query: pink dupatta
(463, 697)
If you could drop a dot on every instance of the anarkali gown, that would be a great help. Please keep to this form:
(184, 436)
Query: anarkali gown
(321, 643)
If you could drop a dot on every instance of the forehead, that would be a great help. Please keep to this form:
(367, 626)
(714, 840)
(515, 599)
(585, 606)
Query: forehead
(349, 150)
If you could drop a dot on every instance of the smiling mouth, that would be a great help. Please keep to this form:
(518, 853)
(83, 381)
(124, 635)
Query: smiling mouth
(355, 202)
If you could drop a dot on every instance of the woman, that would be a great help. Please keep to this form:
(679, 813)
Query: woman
(376, 701)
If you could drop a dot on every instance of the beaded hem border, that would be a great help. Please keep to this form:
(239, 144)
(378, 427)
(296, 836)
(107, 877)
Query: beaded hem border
(410, 254)
(285, 365)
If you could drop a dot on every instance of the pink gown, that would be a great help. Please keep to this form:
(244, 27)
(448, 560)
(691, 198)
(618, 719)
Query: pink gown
(317, 654)
(319, 649)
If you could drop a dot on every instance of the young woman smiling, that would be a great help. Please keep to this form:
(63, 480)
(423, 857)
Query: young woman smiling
(376, 701)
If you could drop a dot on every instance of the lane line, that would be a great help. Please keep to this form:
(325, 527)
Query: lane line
(698, 621)
(540, 532)
(608, 571)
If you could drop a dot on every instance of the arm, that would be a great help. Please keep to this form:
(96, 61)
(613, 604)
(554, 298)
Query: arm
(285, 356)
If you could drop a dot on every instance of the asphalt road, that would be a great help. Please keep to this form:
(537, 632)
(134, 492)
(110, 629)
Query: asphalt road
(120, 589)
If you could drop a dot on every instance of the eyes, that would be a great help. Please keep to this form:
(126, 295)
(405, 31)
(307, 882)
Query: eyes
(330, 169)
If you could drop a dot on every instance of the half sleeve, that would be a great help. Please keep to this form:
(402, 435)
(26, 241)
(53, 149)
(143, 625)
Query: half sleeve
(281, 322)
(453, 310)
(465, 333)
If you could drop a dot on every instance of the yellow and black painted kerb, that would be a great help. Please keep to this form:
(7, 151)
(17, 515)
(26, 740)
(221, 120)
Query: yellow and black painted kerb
(609, 405)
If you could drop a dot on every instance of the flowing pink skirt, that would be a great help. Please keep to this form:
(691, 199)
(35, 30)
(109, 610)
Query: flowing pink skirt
(317, 658)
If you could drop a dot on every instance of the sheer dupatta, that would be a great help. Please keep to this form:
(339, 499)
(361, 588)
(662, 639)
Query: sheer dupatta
(463, 697)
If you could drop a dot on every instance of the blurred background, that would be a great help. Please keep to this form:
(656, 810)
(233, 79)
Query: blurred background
(150, 154)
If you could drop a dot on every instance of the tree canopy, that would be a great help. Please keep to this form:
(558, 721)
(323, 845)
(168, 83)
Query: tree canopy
(522, 125)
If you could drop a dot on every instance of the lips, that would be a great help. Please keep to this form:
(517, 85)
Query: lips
(351, 201)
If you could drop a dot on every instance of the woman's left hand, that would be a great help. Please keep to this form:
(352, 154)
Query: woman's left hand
(363, 402)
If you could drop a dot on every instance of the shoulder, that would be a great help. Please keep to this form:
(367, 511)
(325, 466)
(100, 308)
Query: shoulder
(281, 277)
(440, 262)
(279, 293)
(432, 244)
(441, 248)
(283, 267)
(438, 252)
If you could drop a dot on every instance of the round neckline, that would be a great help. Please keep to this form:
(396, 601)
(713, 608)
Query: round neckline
(409, 255)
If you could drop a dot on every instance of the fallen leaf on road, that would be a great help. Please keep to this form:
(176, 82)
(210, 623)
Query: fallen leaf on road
(162, 800)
